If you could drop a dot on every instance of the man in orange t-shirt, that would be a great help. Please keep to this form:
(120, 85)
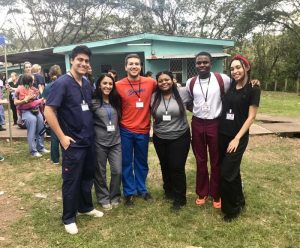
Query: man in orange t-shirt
(135, 92)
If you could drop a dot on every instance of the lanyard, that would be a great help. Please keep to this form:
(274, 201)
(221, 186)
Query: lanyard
(205, 96)
(166, 106)
(80, 88)
(135, 92)
(108, 110)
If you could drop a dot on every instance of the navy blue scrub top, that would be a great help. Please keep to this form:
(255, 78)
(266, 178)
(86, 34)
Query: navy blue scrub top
(66, 96)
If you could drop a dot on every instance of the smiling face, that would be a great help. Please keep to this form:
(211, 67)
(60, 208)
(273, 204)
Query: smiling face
(106, 85)
(133, 68)
(80, 64)
(238, 71)
(164, 83)
(203, 65)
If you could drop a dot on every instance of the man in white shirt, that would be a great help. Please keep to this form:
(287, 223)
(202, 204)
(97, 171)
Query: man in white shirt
(206, 89)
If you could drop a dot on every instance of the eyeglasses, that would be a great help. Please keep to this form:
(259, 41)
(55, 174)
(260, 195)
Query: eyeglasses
(202, 62)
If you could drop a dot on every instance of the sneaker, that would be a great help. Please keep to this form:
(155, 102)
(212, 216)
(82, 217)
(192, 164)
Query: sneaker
(146, 196)
(2, 128)
(56, 163)
(71, 228)
(129, 201)
(201, 200)
(217, 204)
(107, 206)
(115, 204)
(44, 151)
(1, 158)
(94, 213)
(37, 155)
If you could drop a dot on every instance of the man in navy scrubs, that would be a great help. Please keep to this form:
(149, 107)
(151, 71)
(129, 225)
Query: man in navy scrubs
(68, 114)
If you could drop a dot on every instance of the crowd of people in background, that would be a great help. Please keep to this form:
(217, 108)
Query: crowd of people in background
(95, 121)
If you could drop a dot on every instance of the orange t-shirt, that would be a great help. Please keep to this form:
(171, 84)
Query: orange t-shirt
(135, 119)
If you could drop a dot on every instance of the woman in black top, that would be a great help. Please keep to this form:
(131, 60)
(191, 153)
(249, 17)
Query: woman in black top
(240, 106)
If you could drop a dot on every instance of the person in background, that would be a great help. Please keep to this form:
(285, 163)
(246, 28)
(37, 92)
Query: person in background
(148, 74)
(240, 105)
(38, 79)
(113, 73)
(89, 76)
(25, 98)
(106, 108)
(12, 85)
(171, 133)
(2, 114)
(54, 73)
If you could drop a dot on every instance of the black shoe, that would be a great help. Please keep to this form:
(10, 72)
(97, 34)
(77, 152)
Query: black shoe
(2, 128)
(176, 206)
(129, 201)
(146, 196)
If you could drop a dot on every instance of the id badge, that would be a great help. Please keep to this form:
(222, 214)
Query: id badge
(205, 108)
(230, 115)
(111, 128)
(166, 117)
(84, 107)
(139, 104)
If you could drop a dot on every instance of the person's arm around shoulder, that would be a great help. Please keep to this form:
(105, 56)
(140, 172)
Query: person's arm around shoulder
(254, 104)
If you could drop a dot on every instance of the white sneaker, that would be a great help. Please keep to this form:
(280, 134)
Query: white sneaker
(44, 151)
(94, 213)
(71, 228)
(107, 206)
(115, 204)
(37, 155)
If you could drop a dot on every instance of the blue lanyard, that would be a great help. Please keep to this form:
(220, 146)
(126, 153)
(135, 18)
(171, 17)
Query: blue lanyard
(108, 110)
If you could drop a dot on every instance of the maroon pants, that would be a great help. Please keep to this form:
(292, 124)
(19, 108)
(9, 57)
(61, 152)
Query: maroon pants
(205, 135)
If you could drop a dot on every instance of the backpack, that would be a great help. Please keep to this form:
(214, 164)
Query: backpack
(219, 79)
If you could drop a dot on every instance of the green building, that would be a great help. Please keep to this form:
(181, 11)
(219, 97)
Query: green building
(157, 52)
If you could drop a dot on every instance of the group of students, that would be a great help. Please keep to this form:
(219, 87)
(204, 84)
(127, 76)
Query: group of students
(112, 123)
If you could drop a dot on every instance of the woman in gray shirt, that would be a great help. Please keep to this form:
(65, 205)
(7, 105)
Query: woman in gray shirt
(106, 107)
(171, 136)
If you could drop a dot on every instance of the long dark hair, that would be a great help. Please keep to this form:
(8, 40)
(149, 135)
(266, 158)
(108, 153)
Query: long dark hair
(159, 95)
(114, 97)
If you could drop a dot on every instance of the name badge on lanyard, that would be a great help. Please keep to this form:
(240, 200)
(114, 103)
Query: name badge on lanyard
(111, 127)
(84, 106)
(139, 104)
(166, 117)
(205, 107)
(230, 115)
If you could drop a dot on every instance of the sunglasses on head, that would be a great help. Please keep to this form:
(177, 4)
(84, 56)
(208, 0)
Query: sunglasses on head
(202, 62)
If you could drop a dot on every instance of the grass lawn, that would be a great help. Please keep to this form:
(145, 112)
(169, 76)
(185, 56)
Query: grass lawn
(271, 179)
(280, 103)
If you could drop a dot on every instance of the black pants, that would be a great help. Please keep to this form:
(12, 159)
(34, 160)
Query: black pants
(231, 184)
(78, 171)
(172, 155)
(13, 109)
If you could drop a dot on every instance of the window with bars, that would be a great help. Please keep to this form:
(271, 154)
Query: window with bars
(191, 69)
(176, 69)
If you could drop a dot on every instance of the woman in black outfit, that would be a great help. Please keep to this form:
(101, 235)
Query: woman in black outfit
(240, 106)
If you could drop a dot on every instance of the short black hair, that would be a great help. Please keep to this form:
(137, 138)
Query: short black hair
(204, 54)
(79, 50)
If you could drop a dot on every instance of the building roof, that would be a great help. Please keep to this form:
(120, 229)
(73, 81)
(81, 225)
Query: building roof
(41, 56)
(146, 38)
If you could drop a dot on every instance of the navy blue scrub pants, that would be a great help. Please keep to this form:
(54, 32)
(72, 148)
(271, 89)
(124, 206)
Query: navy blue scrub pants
(78, 171)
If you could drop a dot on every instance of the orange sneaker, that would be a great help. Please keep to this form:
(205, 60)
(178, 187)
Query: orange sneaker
(201, 200)
(217, 204)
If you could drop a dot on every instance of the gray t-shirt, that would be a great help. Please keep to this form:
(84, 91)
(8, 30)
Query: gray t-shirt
(178, 124)
(101, 117)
